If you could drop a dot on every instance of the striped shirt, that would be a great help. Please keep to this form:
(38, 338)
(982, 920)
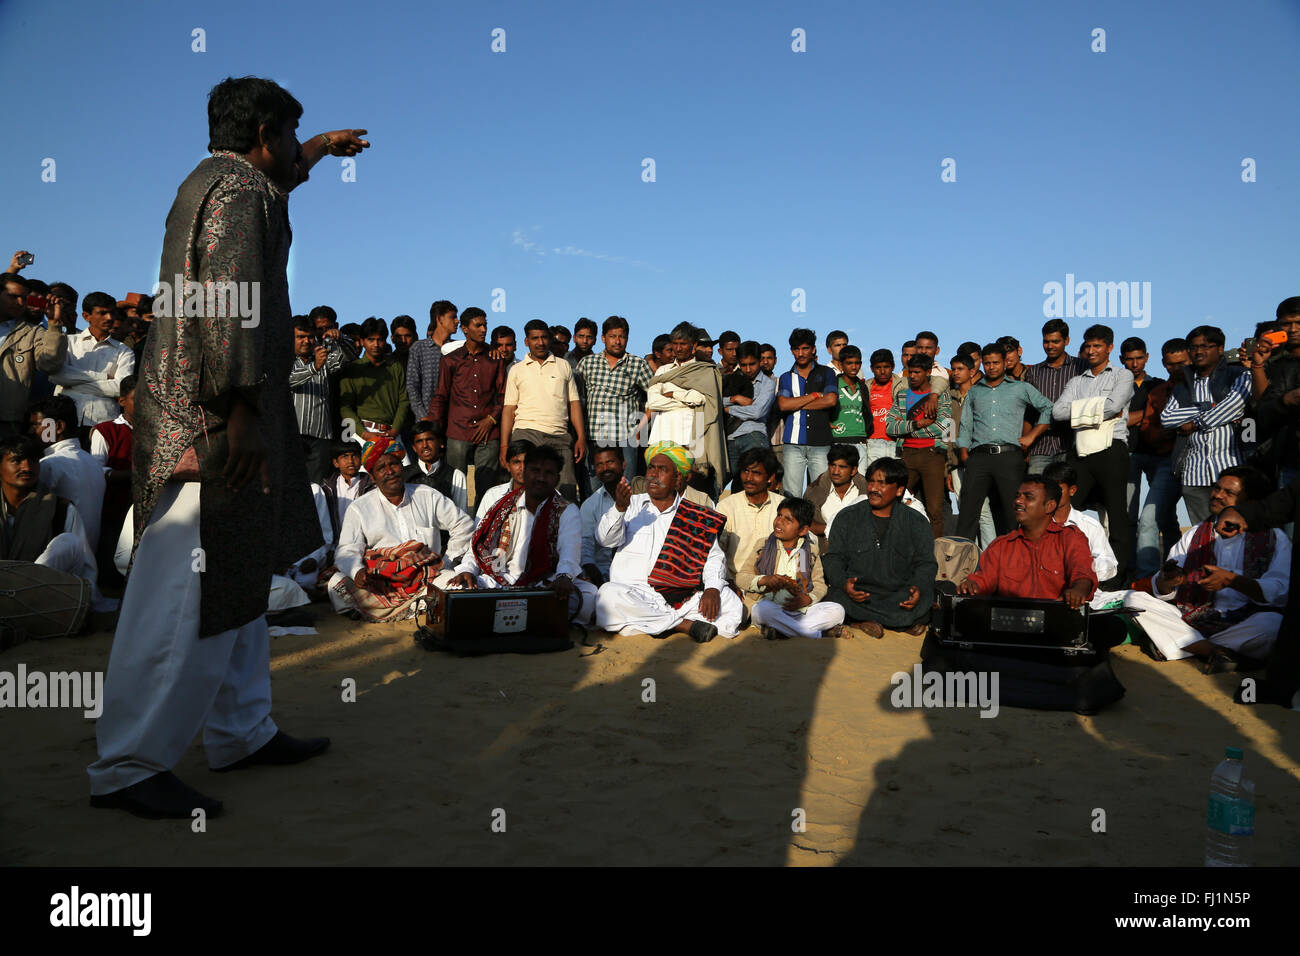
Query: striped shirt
(615, 396)
(311, 392)
(423, 363)
(1215, 445)
(1115, 384)
(1051, 383)
(807, 427)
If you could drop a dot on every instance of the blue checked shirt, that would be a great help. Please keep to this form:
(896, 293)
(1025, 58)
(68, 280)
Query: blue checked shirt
(615, 397)
(1215, 445)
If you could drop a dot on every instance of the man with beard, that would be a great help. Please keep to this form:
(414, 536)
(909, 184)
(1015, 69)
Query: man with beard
(616, 382)
(668, 572)
(749, 514)
(193, 652)
(389, 548)
(531, 537)
(880, 564)
(608, 464)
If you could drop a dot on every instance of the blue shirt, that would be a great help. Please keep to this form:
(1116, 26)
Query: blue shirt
(807, 427)
(995, 414)
(753, 418)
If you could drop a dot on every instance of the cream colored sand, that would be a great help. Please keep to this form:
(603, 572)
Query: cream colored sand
(741, 734)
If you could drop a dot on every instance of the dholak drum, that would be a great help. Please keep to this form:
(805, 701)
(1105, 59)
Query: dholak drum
(494, 620)
(41, 602)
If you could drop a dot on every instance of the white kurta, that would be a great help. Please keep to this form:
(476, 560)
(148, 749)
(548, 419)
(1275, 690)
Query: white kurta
(459, 490)
(675, 418)
(92, 376)
(834, 504)
(808, 621)
(71, 473)
(582, 602)
(69, 551)
(1254, 637)
(346, 492)
(165, 683)
(627, 602)
(375, 522)
(1103, 555)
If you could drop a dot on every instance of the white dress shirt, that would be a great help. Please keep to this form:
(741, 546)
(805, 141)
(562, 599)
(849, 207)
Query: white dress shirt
(375, 522)
(834, 504)
(92, 376)
(71, 473)
(1103, 556)
(459, 490)
(99, 447)
(346, 492)
(492, 496)
(638, 535)
(568, 547)
(593, 509)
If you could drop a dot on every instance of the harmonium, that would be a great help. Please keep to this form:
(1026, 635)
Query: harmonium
(984, 622)
(488, 620)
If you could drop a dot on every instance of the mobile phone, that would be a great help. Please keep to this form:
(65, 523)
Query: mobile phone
(26, 259)
(1277, 338)
(36, 302)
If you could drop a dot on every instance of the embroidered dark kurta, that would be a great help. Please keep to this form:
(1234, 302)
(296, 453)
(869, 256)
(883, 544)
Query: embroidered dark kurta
(228, 223)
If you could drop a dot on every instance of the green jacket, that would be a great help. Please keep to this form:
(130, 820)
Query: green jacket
(374, 393)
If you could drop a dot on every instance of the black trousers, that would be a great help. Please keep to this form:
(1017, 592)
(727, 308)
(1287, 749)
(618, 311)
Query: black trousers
(317, 451)
(985, 473)
(1107, 473)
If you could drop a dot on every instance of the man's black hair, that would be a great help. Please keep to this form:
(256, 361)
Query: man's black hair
(616, 322)
(892, 469)
(14, 277)
(470, 314)
(1051, 488)
(127, 386)
(881, 355)
(405, 322)
(1053, 326)
(927, 335)
(98, 300)
(561, 331)
(845, 453)
(237, 108)
(1173, 345)
(749, 349)
(800, 337)
(500, 332)
(1103, 333)
(536, 325)
(22, 447)
(994, 348)
(326, 311)
(427, 426)
(834, 334)
(660, 342)
(728, 336)
(304, 324)
(1288, 307)
(1254, 483)
(1210, 333)
(584, 323)
(850, 352)
(1132, 344)
(767, 347)
(801, 509)
(758, 456)
(920, 360)
(440, 307)
(962, 358)
(68, 292)
(541, 453)
(60, 408)
(1062, 472)
(969, 348)
(373, 326)
(1009, 342)
(517, 447)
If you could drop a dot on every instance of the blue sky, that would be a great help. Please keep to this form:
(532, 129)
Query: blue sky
(775, 170)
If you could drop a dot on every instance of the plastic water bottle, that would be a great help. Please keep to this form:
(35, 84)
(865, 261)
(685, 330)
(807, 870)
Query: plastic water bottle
(1230, 822)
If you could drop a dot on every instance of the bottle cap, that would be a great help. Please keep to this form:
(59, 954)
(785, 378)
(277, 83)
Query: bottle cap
(1233, 752)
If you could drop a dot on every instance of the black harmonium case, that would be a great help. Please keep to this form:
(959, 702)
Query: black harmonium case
(1002, 623)
(525, 620)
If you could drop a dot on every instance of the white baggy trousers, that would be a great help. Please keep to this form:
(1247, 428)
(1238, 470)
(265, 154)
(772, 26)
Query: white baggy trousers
(165, 683)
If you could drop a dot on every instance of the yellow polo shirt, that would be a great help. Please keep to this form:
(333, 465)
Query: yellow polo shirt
(541, 392)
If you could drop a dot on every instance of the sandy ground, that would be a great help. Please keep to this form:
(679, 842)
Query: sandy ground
(741, 734)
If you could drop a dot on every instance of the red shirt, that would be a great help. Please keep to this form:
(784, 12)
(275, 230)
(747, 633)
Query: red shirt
(1014, 566)
(882, 397)
(470, 388)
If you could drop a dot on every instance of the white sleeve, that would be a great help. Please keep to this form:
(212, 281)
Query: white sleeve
(569, 546)
(610, 532)
(126, 538)
(715, 568)
(1103, 555)
(99, 448)
(459, 490)
(349, 556)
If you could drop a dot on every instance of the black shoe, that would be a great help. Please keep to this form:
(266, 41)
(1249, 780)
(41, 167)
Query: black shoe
(1219, 662)
(279, 750)
(702, 632)
(161, 796)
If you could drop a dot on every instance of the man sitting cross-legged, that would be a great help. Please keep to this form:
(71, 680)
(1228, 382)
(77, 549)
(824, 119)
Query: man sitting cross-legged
(38, 525)
(387, 555)
(531, 537)
(750, 512)
(880, 563)
(783, 580)
(668, 572)
(1223, 586)
(1040, 559)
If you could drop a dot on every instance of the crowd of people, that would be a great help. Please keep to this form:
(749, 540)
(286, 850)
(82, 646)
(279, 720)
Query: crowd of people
(697, 489)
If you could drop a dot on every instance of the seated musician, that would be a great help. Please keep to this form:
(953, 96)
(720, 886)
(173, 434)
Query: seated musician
(668, 574)
(880, 561)
(428, 443)
(36, 525)
(1220, 594)
(530, 538)
(783, 583)
(387, 556)
(1041, 558)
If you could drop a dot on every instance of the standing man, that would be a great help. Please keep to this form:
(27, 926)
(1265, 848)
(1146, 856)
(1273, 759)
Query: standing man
(24, 348)
(1142, 461)
(728, 352)
(852, 422)
(1049, 377)
(317, 364)
(540, 404)
(990, 442)
(193, 653)
(805, 396)
(616, 383)
(1096, 404)
(1205, 407)
(880, 393)
(661, 352)
(749, 415)
(687, 399)
(373, 396)
(1015, 369)
(503, 344)
(927, 344)
(468, 401)
(425, 358)
(919, 426)
(95, 367)
(1157, 523)
(963, 377)
(835, 342)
